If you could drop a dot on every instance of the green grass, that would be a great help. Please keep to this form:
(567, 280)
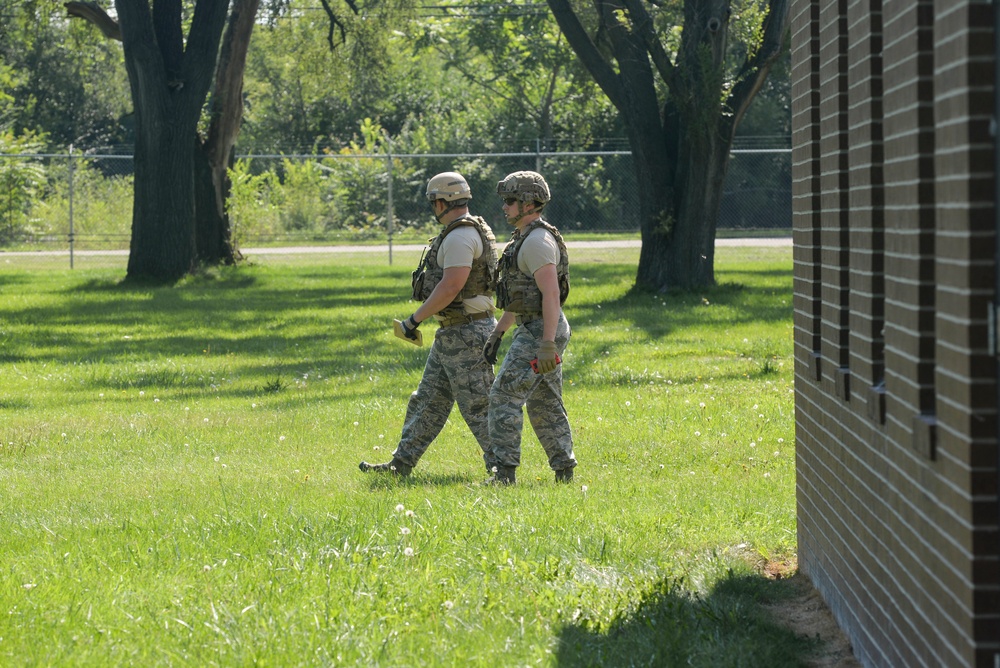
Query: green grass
(180, 483)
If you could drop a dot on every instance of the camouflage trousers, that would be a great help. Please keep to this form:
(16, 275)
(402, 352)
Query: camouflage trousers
(517, 386)
(455, 372)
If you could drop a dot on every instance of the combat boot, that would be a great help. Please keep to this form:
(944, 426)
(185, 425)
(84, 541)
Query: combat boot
(502, 475)
(564, 475)
(395, 467)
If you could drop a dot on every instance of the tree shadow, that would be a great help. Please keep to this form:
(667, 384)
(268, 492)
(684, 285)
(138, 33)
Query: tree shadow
(658, 314)
(235, 312)
(272, 327)
(673, 627)
(12, 279)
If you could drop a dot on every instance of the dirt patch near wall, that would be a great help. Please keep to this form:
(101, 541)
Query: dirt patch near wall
(806, 614)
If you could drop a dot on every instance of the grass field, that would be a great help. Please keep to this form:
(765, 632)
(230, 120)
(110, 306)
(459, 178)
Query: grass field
(180, 482)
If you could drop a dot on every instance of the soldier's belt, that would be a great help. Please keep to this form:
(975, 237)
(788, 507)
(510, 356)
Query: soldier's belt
(524, 318)
(453, 320)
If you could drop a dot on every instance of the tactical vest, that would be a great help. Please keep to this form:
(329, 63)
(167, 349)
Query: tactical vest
(481, 277)
(516, 290)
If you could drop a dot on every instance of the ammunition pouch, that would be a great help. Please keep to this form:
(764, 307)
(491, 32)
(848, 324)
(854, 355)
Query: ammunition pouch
(417, 282)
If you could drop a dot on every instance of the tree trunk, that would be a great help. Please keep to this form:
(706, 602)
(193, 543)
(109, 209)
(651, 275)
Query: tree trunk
(161, 72)
(169, 80)
(162, 247)
(684, 183)
(213, 157)
(213, 235)
(657, 204)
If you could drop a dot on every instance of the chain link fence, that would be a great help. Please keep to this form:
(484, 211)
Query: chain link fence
(68, 206)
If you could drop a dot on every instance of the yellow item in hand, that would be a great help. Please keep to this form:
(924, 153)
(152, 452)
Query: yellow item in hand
(397, 329)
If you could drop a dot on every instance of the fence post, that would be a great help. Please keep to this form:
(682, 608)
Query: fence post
(388, 173)
(71, 230)
(538, 155)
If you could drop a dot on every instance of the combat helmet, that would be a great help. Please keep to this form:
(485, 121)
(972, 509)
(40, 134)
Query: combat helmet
(449, 186)
(525, 187)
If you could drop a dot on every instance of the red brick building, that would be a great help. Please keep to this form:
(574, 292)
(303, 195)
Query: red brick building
(896, 227)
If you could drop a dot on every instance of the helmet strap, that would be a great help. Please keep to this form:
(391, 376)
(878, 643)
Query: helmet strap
(448, 206)
(522, 213)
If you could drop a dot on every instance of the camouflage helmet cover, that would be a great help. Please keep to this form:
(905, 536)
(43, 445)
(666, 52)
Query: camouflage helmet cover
(525, 186)
(449, 186)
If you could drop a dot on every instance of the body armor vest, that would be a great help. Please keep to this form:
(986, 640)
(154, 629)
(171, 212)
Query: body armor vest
(480, 282)
(516, 290)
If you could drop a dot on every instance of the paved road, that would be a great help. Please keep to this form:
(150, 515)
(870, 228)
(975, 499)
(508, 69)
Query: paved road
(401, 248)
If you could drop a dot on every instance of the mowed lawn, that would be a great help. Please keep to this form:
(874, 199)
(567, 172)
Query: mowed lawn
(179, 477)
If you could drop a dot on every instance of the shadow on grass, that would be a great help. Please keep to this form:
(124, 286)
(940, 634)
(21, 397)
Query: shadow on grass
(672, 627)
(334, 321)
(658, 314)
(442, 479)
(682, 319)
(11, 279)
(381, 481)
(238, 312)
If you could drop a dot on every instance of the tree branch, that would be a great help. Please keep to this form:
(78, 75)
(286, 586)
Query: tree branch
(486, 85)
(202, 47)
(335, 22)
(642, 23)
(226, 109)
(754, 71)
(90, 11)
(587, 52)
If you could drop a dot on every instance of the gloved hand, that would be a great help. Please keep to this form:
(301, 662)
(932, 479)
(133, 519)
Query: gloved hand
(547, 358)
(410, 328)
(492, 347)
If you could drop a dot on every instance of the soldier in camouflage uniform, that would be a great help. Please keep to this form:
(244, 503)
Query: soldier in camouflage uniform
(455, 283)
(532, 285)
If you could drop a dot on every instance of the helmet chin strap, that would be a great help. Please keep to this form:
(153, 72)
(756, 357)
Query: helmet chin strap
(522, 214)
(517, 219)
(448, 206)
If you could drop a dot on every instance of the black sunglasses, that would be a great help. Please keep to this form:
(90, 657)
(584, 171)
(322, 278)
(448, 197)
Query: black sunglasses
(509, 201)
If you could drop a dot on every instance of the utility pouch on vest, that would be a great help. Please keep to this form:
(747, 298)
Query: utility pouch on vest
(417, 281)
(417, 278)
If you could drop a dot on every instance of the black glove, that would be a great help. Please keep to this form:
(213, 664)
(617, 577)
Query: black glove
(492, 347)
(410, 328)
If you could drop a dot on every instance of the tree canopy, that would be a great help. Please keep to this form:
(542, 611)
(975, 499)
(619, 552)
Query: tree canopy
(682, 83)
(474, 73)
(674, 78)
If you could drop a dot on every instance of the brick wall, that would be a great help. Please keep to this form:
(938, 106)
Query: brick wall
(896, 385)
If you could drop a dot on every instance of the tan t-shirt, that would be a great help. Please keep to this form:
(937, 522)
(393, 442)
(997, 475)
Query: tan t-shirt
(459, 249)
(538, 250)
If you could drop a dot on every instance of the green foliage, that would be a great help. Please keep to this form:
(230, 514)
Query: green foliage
(254, 203)
(70, 82)
(746, 31)
(294, 86)
(515, 61)
(480, 74)
(21, 179)
(102, 203)
(301, 210)
(300, 91)
(184, 489)
(343, 195)
(7, 83)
